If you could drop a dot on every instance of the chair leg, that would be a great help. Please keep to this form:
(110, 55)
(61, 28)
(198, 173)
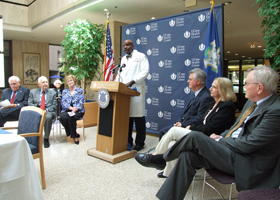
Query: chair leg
(84, 135)
(203, 186)
(193, 186)
(42, 169)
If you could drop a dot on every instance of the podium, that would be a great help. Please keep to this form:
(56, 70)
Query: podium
(113, 122)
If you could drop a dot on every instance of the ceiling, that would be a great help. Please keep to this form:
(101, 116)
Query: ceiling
(243, 30)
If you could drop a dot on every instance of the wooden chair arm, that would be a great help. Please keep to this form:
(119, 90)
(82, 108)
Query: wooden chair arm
(7, 128)
(30, 134)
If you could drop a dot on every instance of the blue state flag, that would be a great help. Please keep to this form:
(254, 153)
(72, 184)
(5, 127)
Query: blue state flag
(212, 54)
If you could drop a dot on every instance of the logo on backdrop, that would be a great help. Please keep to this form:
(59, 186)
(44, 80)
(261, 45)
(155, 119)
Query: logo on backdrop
(201, 17)
(160, 114)
(155, 77)
(173, 49)
(173, 76)
(172, 23)
(180, 103)
(195, 62)
(160, 89)
(181, 76)
(187, 34)
(187, 90)
(173, 102)
(148, 27)
(160, 38)
(167, 115)
(149, 101)
(152, 125)
(180, 21)
(149, 77)
(154, 26)
(167, 89)
(201, 47)
(142, 41)
(161, 63)
(149, 52)
(195, 33)
(180, 49)
(103, 98)
(188, 62)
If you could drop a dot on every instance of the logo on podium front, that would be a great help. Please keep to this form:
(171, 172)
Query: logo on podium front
(103, 98)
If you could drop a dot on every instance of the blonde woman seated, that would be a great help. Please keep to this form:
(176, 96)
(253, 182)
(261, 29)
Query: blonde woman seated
(72, 108)
(219, 117)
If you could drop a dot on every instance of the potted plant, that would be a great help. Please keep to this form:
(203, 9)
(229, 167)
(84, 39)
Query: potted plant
(82, 50)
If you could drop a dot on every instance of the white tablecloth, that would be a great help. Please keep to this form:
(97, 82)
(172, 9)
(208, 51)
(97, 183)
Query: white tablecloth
(18, 175)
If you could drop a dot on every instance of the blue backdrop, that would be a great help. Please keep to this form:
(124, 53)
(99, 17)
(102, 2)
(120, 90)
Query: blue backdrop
(174, 45)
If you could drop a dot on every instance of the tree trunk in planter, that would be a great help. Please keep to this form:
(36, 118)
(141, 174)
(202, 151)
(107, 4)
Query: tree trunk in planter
(278, 86)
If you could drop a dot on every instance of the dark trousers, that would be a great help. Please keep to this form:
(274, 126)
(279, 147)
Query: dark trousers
(140, 125)
(164, 130)
(69, 123)
(195, 150)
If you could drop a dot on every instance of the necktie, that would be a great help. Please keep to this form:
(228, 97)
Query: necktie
(242, 119)
(13, 98)
(42, 106)
(128, 56)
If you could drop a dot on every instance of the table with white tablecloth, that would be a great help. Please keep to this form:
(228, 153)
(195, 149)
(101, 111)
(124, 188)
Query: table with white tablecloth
(18, 175)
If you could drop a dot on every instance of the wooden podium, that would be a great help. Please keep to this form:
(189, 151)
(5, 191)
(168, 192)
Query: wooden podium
(113, 122)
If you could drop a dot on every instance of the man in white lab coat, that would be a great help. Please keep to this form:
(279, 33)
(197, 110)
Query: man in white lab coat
(133, 75)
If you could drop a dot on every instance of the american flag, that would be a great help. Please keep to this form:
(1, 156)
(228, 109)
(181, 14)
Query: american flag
(108, 56)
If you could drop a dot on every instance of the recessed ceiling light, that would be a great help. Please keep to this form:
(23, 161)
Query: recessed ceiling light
(228, 51)
(236, 54)
(228, 22)
(153, 18)
(243, 56)
(259, 46)
(252, 46)
(227, 3)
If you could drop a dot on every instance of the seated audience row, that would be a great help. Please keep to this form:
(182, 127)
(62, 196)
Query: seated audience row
(45, 98)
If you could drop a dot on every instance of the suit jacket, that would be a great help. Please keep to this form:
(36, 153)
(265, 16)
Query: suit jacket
(219, 120)
(21, 98)
(50, 103)
(196, 108)
(256, 151)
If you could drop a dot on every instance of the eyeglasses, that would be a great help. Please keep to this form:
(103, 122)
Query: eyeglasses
(13, 83)
(246, 83)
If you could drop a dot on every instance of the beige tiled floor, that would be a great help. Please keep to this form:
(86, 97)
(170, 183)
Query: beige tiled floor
(72, 174)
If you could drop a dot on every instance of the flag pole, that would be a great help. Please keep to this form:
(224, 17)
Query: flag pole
(107, 13)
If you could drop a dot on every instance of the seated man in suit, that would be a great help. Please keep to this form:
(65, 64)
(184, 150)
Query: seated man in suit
(45, 99)
(249, 150)
(197, 105)
(18, 97)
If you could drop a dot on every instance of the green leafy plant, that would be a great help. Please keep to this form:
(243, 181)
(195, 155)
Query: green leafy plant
(270, 10)
(82, 49)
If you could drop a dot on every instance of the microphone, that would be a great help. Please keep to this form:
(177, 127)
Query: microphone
(114, 69)
(122, 67)
(109, 67)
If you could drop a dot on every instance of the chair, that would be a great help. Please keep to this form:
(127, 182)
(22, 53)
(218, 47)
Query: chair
(221, 177)
(90, 117)
(259, 194)
(30, 125)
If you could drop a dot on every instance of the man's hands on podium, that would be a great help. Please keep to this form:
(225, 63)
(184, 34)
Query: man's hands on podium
(130, 83)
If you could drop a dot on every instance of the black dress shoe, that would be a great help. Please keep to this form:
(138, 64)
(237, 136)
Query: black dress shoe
(77, 142)
(145, 160)
(160, 175)
(46, 143)
(77, 135)
(138, 147)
